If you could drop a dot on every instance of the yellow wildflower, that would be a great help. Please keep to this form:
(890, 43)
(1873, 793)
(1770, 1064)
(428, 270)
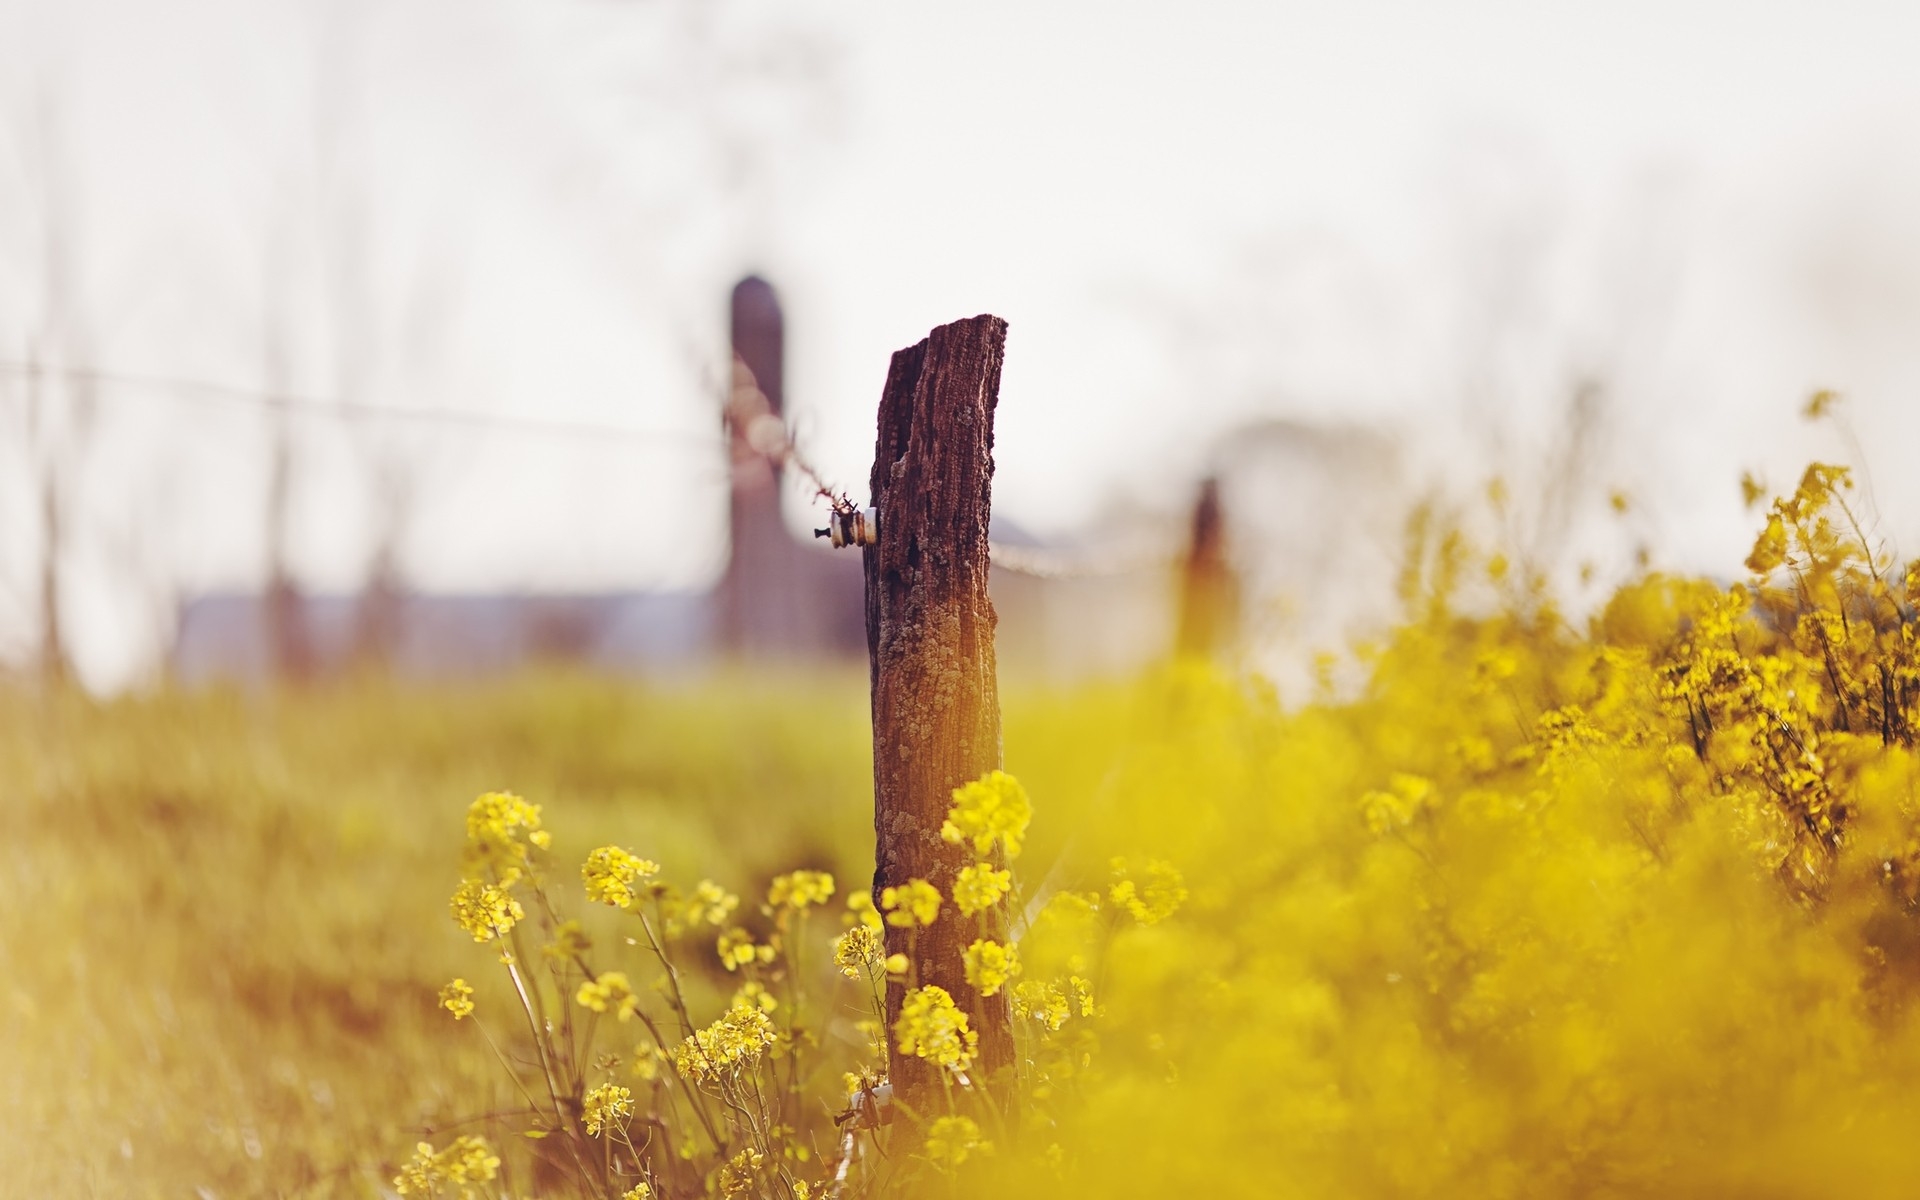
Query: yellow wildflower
(500, 827)
(737, 1039)
(609, 993)
(605, 1105)
(736, 1174)
(798, 889)
(992, 808)
(709, 905)
(915, 902)
(858, 951)
(485, 910)
(990, 965)
(457, 998)
(737, 949)
(1082, 996)
(611, 873)
(897, 965)
(860, 908)
(1153, 901)
(646, 1061)
(639, 1191)
(932, 1027)
(979, 887)
(951, 1139)
(754, 994)
(1042, 1003)
(569, 942)
(467, 1160)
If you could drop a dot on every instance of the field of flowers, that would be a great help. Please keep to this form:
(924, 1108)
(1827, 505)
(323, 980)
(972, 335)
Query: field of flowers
(1615, 907)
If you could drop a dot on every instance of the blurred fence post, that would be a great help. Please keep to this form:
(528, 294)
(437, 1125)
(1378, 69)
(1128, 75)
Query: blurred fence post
(1209, 592)
(936, 700)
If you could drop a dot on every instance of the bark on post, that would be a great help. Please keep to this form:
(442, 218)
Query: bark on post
(936, 701)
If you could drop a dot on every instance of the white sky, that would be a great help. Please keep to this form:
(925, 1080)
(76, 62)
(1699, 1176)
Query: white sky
(1435, 216)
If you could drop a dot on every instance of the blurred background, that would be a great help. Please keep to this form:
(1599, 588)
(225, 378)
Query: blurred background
(336, 333)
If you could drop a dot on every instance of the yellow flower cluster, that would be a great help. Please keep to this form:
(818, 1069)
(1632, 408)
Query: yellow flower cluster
(991, 809)
(609, 993)
(604, 1106)
(737, 1173)
(736, 1040)
(708, 906)
(485, 910)
(859, 951)
(466, 1161)
(914, 903)
(1153, 899)
(612, 876)
(979, 887)
(798, 889)
(737, 949)
(932, 1027)
(951, 1140)
(1042, 1003)
(457, 998)
(500, 828)
(989, 965)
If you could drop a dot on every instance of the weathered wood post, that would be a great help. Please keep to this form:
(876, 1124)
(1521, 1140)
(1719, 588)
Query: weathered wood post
(936, 700)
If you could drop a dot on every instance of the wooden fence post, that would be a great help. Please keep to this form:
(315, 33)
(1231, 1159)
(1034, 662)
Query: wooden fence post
(936, 701)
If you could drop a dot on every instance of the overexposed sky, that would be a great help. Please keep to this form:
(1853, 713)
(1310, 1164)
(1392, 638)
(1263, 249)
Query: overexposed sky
(1438, 217)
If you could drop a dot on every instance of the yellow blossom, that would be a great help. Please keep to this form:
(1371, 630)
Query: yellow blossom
(1042, 1003)
(915, 902)
(737, 1039)
(609, 993)
(457, 998)
(754, 994)
(858, 951)
(500, 828)
(611, 875)
(736, 1174)
(467, 1160)
(860, 908)
(604, 1106)
(798, 889)
(989, 965)
(992, 808)
(1153, 900)
(485, 910)
(639, 1191)
(737, 949)
(979, 887)
(932, 1027)
(950, 1140)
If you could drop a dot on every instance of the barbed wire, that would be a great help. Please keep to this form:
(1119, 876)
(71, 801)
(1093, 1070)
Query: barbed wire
(761, 431)
(206, 391)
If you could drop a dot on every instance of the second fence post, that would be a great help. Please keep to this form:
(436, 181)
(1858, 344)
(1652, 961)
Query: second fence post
(936, 699)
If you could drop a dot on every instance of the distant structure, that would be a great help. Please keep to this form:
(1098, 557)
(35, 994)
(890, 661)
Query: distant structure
(781, 599)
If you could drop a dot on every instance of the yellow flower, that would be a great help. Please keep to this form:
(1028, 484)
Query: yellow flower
(604, 1105)
(639, 1191)
(1154, 900)
(709, 905)
(609, 993)
(798, 889)
(646, 1062)
(915, 902)
(1042, 1003)
(500, 827)
(897, 965)
(951, 1139)
(569, 942)
(737, 1039)
(466, 1160)
(992, 808)
(754, 994)
(736, 1174)
(457, 998)
(979, 887)
(990, 965)
(610, 874)
(485, 910)
(736, 949)
(858, 951)
(1082, 995)
(932, 1027)
(860, 908)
